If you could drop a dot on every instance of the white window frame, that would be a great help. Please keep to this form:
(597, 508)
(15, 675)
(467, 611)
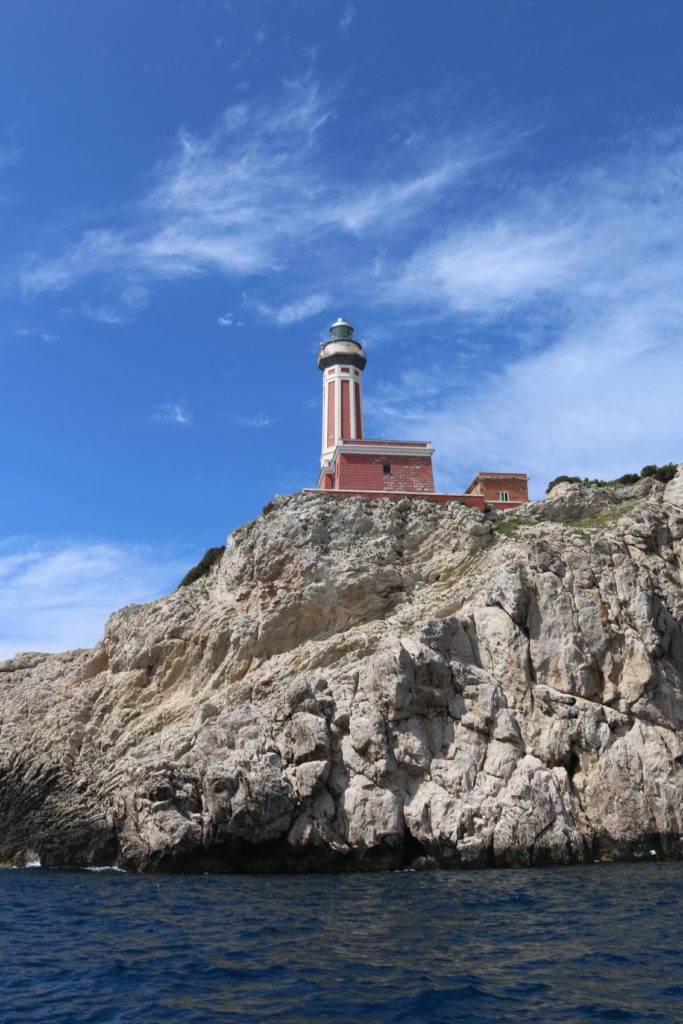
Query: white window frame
(504, 496)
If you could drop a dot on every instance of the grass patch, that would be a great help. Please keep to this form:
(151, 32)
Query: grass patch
(603, 519)
(508, 527)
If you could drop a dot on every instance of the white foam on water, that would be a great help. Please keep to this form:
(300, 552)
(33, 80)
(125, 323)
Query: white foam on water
(107, 867)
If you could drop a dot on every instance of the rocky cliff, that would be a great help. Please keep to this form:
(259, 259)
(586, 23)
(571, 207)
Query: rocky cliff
(372, 684)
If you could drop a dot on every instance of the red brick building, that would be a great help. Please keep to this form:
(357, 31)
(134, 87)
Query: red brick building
(496, 487)
(353, 464)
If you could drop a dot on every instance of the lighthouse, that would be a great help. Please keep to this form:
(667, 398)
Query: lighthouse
(342, 360)
(349, 461)
(352, 464)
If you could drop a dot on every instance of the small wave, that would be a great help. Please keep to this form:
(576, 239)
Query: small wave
(33, 864)
(108, 867)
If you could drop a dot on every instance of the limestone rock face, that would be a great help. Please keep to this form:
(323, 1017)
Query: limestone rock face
(673, 492)
(372, 684)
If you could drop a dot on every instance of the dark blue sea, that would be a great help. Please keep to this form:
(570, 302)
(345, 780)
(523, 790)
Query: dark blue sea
(566, 945)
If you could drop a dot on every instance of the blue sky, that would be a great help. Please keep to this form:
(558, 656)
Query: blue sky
(191, 191)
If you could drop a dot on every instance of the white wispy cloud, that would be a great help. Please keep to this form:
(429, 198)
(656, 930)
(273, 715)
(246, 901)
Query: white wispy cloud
(57, 596)
(49, 337)
(95, 252)
(388, 202)
(346, 18)
(253, 421)
(608, 232)
(226, 321)
(251, 195)
(300, 309)
(122, 311)
(224, 202)
(173, 412)
(493, 265)
(9, 155)
(583, 280)
(576, 408)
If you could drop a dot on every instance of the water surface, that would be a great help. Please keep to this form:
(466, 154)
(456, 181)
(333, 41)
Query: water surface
(566, 945)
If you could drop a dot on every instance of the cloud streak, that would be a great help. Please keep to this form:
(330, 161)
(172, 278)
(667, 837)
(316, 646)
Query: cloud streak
(34, 332)
(300, 309)
(249, 197)
(131, 300)
(346, 18)
(253, 421)
(57, 596)
(9, 155)
(173, 412)
(584, 282)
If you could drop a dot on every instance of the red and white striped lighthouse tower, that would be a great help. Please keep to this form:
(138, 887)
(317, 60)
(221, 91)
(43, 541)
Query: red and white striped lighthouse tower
(342, 361)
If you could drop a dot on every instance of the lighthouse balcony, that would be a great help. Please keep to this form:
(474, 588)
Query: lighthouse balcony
(340, 351)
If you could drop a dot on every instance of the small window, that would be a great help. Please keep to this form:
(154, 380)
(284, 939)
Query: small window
(504, 496)
(387, 469)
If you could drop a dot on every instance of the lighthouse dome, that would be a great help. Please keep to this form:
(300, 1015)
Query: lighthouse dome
(341, 329)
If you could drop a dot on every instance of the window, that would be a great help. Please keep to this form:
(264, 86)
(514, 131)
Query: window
(504, 496)
(387, 469)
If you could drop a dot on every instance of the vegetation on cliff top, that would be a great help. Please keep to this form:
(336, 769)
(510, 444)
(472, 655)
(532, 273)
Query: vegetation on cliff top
(203, 567)
(661, 473)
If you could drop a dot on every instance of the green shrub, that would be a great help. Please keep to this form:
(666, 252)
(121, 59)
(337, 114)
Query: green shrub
(606, 483)
(628, 478)
(661, 473)
(665, 473)
(202, 568)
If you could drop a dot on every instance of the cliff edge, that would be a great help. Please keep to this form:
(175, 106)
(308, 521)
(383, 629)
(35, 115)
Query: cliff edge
(372, 684)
